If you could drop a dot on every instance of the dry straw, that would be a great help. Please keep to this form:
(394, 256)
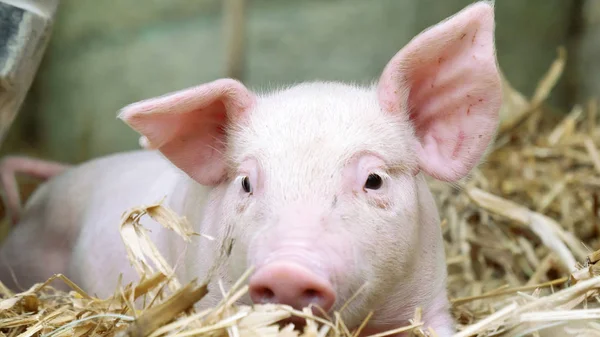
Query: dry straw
(520, 237)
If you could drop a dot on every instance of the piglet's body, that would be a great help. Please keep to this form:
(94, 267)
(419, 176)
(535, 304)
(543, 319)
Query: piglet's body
(322, 184)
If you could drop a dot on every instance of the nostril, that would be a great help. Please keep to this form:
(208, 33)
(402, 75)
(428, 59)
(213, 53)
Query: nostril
(263, 295)
(316, 297)
(311, 295)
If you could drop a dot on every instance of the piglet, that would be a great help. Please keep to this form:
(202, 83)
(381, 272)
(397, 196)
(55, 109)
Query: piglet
(321, 185)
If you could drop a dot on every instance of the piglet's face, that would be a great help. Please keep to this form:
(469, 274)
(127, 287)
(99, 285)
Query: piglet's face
(322, 180)
(319, 181)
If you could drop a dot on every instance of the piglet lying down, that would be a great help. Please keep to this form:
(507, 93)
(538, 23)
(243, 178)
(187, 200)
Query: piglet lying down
(322, 184)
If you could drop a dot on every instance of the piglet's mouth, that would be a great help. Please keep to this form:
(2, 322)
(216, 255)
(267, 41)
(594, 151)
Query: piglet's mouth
(298, 322)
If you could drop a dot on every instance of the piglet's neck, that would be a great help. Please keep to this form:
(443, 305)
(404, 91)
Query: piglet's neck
(183, 195)
(191, 199)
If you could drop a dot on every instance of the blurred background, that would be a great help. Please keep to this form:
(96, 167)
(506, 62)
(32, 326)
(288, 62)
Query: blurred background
(103, 55)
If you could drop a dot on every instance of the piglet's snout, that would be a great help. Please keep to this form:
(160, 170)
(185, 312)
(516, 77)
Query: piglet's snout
(291, 284)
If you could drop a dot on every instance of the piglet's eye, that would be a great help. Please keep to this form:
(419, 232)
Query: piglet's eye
(373, 182)
(246, 185)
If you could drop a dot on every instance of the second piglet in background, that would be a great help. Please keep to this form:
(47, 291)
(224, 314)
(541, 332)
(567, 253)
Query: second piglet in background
(322, 184)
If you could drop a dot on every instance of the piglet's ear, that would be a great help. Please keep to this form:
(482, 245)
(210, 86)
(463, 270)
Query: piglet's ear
(446, 80)
(188, 126)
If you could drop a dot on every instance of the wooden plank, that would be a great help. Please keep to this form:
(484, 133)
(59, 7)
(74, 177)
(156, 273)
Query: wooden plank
(25, 29)
(234, 18)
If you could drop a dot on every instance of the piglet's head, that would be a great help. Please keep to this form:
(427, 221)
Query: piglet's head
(321, 180)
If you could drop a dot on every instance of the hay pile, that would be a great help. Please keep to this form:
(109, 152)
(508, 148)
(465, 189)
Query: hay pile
(513, 232)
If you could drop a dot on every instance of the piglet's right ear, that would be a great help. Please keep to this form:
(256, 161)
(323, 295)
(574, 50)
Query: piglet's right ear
(188, 126)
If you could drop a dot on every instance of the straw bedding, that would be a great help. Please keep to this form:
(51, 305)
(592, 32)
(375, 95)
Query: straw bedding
(522, 238)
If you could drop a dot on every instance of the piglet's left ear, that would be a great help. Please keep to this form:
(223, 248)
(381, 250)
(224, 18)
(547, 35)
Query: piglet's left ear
(446, 80)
